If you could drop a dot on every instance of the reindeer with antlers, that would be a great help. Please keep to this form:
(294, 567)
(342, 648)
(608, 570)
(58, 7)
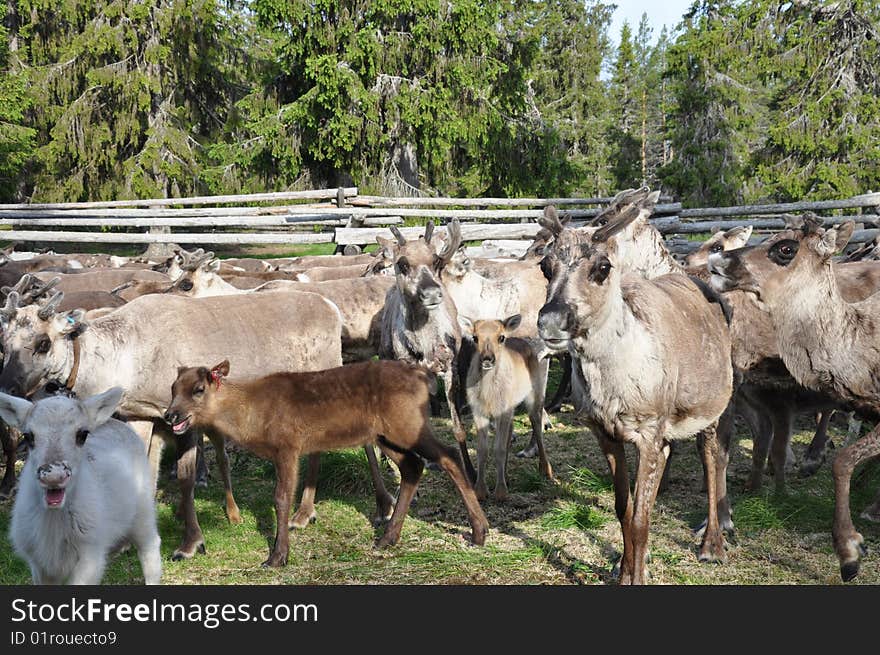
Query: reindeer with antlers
(420, 322)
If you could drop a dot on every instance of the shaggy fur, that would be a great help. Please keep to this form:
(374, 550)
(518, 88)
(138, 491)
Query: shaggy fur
(102, 467)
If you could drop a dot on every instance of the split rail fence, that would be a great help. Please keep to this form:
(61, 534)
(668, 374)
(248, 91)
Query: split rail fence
(351, 221)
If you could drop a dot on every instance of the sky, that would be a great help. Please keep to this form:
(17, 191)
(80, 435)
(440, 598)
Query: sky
(660, 12)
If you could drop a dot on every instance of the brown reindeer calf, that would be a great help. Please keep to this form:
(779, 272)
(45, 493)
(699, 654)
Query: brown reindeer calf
(283, 416)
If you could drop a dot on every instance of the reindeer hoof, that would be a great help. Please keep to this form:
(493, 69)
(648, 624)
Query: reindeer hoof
(478, 537)
(187, 553)
(872, 513)
(432, 466)
(275, 561)
(300, 521)
(235, 518)
(501, 495)
(528, 453)
(849, 571)
(385, 542)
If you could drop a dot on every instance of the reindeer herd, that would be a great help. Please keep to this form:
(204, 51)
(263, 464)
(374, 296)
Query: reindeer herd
(312, 354)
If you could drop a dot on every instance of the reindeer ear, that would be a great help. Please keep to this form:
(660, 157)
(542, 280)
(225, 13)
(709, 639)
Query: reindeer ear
(213, 266)
(738, 236)
(220, 371)
(844, 234)
(466, 323)
(14, 410)
(100, 408)
(72, 322)
(512, 322)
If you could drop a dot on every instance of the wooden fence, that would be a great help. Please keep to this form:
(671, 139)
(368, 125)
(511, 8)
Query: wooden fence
(342, 217)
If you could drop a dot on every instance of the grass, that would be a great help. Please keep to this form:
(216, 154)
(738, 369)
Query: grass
(545, 533)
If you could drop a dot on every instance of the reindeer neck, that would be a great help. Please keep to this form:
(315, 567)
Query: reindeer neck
(232, 412)
(217, 286)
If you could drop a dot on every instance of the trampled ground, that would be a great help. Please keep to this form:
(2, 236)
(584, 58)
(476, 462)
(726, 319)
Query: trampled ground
(545, 534)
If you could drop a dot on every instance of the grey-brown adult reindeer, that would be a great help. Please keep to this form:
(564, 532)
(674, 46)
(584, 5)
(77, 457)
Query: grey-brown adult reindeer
(140, 346)
(632, 339)
(420, 321)
(827, 343)
(282, 416)
(505, 372)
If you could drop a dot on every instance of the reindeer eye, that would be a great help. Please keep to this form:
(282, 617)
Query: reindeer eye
(784, 252)
(28, 439)
(716, 248)
(402, 266)
(81, 436)
(502, 339)
(42, 346)
(186, 285)
(199, 390)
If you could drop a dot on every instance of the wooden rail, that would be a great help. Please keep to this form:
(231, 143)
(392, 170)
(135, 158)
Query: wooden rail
(343, 217)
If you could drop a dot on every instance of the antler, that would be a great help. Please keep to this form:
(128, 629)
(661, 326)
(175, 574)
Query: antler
(39, 290)
(550, 221)
(8, 311)
(453, 241)
(20, 287)
(196, 259)
(401, 241)
(48, 309)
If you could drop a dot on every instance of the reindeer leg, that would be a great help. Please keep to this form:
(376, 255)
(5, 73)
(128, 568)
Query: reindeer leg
(10, 445)
(815, 454)
(481, 423)
(503, 434)
(539, 392)
(782, 426)
(724, 435)
(411, 468)
(193, 539)
(232, 512)
(306, 513)
(286, 473)
(384, 500)
(564, 385)
(432, 450)
(153, 443)
(848, 543)
(450, 382)
(623, 504)
(536, 420)
(652, 458)
(712, 548)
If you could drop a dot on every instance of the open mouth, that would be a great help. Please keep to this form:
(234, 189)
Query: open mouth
(488, 366)
(431, 306)
(55, 497)
(182, 426)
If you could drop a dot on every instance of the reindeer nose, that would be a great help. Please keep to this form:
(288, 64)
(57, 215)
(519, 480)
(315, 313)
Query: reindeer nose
(554, 320)
(169, 416)
(431, 296)
(54, 474)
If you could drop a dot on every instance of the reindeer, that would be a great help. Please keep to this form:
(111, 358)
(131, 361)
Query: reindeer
(505, 372)
(282, 416)
(629, 336)
(85, 489)
(827, 343)
(139, 347)
(720, 241)
(420, 321)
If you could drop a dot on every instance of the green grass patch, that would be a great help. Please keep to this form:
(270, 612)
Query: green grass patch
(568, 514)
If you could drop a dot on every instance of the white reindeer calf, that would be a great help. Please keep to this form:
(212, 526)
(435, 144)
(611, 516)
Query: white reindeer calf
(504, 372)
(86, 488)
